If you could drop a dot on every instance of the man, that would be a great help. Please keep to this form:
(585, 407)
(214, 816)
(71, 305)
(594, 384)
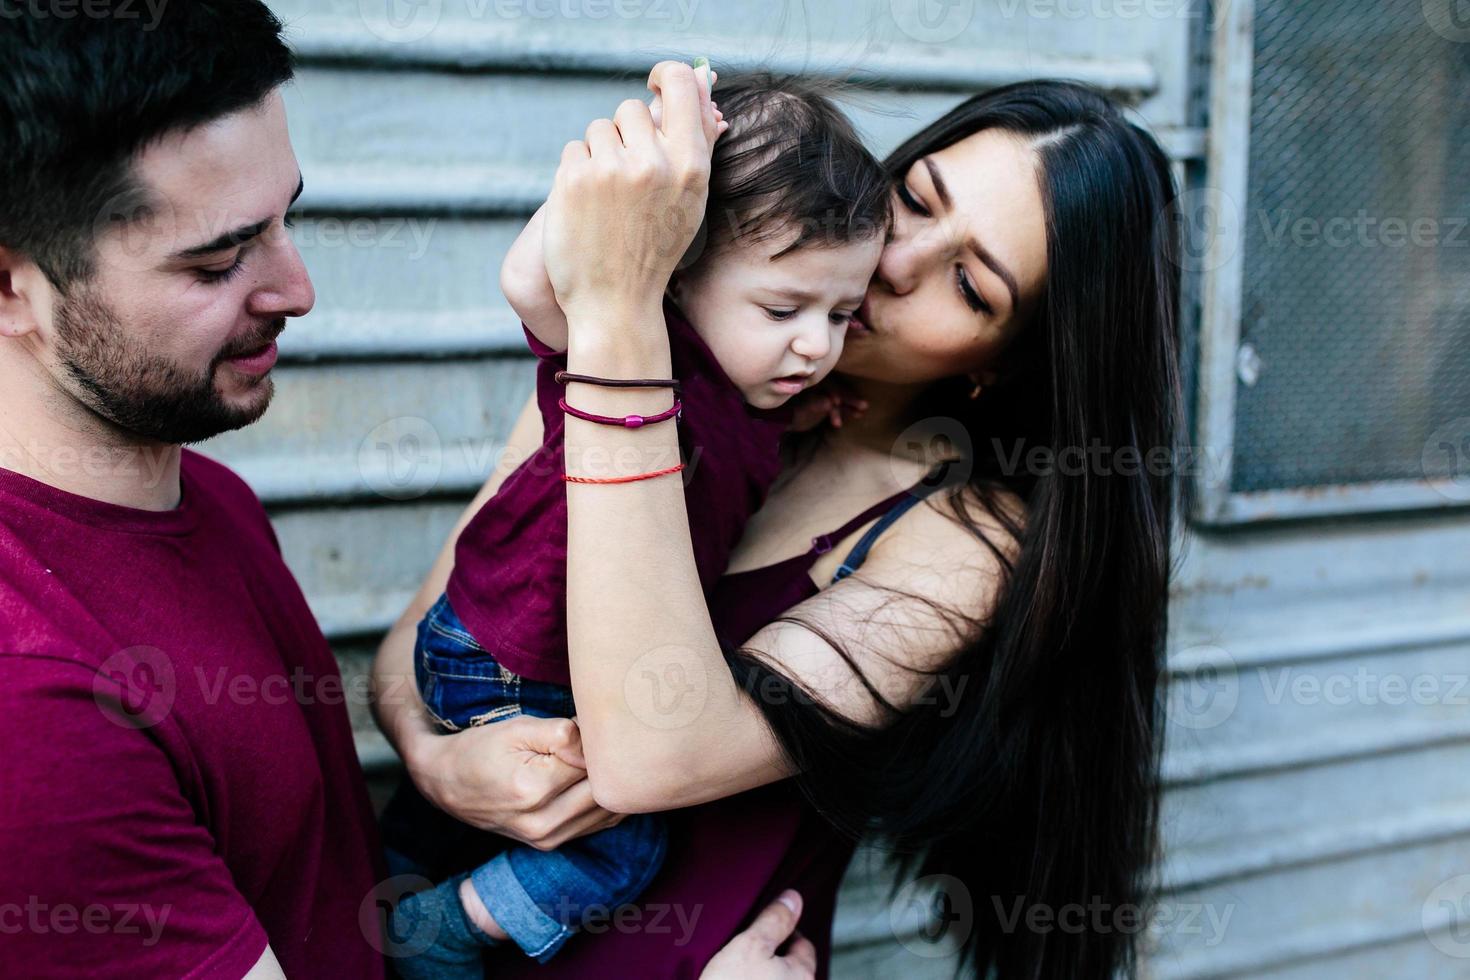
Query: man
(164, 810)
(180, 795)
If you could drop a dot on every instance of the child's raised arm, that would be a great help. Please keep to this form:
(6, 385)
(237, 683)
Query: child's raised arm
(526, 286)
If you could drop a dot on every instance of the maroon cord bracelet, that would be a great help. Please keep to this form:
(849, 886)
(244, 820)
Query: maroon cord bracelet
(627, 421)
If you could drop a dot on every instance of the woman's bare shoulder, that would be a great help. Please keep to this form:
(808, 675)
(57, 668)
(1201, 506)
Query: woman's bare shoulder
(957, 528)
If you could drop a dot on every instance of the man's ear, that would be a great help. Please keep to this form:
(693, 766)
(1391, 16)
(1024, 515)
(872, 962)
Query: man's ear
(24, 295)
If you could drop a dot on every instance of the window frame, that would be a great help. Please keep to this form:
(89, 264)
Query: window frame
(1221, 292)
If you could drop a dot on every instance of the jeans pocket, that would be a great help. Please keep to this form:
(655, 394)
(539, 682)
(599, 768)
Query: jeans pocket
(460, 683)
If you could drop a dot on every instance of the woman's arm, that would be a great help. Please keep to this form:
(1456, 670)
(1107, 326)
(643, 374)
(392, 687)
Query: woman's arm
(523, 778)
(664, 724)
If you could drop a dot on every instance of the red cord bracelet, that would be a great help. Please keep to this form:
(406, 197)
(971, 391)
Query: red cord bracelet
(621, 479)
(627, 421)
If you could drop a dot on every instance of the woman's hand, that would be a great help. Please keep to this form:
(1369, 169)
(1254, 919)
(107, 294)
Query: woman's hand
(628, 199)
(523, 778)
(753, 952)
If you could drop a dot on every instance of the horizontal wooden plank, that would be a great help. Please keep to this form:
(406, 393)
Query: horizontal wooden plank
(964, 48)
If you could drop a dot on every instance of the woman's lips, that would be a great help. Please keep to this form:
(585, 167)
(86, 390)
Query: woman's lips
(861, 322)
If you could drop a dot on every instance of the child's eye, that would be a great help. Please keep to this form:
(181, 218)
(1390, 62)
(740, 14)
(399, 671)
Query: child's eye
(775, 314)
(839, 317)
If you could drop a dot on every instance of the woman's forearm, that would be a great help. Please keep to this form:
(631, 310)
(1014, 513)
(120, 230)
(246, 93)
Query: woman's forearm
(653, 693)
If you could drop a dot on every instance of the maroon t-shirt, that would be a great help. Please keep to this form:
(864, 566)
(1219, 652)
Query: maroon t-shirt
(509, 584)
(179, 787)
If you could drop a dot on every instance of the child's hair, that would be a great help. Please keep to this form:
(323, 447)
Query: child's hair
(789, 159)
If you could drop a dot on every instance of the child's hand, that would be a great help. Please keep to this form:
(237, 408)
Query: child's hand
(829, 402)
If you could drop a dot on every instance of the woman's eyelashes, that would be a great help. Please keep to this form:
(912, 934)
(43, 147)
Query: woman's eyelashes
(911, 202)
(969, 293)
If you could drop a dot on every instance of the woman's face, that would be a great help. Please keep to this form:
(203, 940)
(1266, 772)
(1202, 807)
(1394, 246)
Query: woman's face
(963, 270)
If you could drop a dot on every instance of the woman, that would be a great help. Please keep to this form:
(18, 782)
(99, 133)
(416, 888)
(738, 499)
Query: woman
(982, 690)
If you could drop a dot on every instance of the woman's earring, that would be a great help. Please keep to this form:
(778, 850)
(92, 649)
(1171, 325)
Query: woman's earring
(975, 392)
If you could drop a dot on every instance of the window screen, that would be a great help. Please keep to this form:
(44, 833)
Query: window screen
(1355, 315)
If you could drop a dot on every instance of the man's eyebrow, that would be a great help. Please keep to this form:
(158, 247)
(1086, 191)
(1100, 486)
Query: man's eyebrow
(236, 236)
(981, 252)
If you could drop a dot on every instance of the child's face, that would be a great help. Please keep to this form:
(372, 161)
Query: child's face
(769, 320)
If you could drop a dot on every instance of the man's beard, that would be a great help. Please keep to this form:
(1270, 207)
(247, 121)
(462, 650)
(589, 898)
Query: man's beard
(143, 394)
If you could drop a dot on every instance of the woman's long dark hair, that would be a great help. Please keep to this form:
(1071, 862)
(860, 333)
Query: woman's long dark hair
(1037, 786)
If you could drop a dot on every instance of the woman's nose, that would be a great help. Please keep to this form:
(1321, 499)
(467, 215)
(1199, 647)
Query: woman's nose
(899, 265)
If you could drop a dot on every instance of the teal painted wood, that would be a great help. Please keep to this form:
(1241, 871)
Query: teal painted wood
(1314, 827)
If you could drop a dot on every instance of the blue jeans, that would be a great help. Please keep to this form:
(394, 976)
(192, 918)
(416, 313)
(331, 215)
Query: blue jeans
(538, 897)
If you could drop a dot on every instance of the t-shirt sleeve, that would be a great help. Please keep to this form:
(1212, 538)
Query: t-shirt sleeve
(107, 871)
(542, 351)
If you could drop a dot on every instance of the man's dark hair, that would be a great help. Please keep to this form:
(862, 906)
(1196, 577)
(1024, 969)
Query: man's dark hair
(83, 95)
(791, 159)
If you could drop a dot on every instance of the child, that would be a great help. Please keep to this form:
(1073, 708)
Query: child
(797, 216)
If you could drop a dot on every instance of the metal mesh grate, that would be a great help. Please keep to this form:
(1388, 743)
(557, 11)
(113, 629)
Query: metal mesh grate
(1355, 324)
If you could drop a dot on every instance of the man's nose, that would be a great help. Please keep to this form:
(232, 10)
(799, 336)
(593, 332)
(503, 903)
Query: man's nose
(287, 290)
